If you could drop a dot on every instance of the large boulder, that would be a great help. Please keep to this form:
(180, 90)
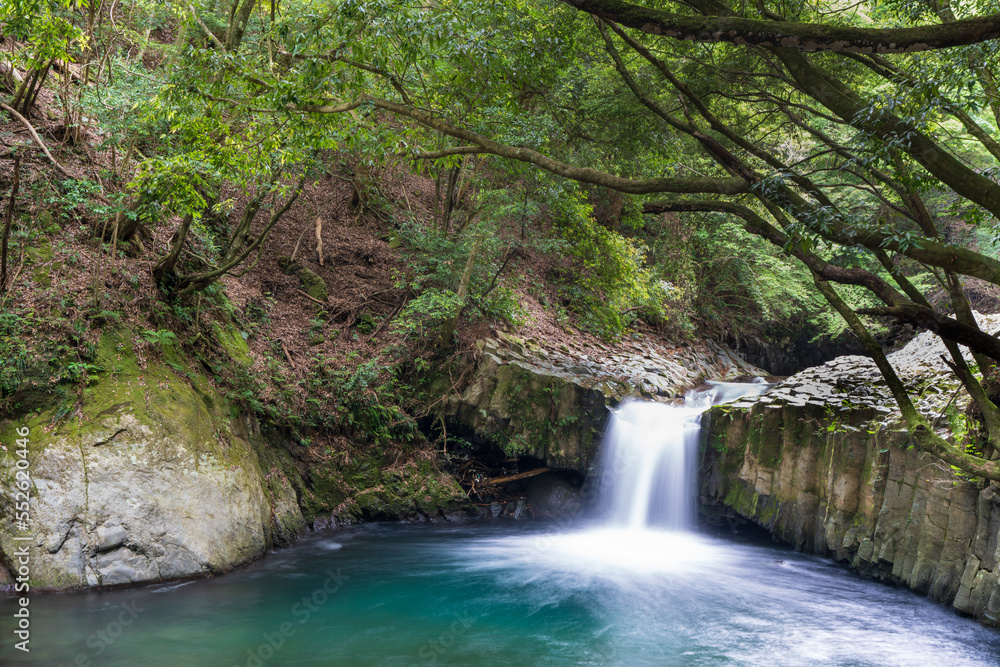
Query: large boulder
(150, 478)
(550, 496)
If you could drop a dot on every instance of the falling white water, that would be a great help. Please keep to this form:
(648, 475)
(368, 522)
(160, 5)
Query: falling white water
(648, 464)
(645, 482)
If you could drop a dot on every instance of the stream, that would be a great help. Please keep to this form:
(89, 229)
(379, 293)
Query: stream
(508, 594)
(638, 587)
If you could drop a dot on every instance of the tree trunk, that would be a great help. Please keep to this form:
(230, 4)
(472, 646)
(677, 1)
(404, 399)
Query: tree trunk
(127, 222)
(448, 329)
(8, 219)
(164, 269)
(239, 16)
(449, 198)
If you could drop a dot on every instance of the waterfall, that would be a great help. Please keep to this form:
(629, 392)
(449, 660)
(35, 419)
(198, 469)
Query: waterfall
(649, 457)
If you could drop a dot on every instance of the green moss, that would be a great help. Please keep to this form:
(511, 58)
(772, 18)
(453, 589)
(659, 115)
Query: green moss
(366, 489)
(327, 490)
(768, 512)
(743, 500)
(736, 498)
(41, 277)
(39, 252)
(9, 438)
(233, 343)
(313, 284)
(122, 384)
(157, 396)
(46, 222)
(764, 436)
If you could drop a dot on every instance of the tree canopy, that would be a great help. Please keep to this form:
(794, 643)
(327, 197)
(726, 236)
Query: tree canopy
(860, 140)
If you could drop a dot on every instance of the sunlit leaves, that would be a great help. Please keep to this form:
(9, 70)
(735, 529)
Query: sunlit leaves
(48, 26)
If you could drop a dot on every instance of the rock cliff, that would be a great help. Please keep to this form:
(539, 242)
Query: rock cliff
(822, 462)
(552, 403)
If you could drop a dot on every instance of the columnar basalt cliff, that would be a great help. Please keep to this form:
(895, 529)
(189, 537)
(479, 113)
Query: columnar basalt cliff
(822, 463)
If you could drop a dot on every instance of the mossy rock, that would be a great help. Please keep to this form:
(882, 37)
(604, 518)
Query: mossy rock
(39, 252)
(366, 489)
(145, 457)
(411, 492)
(314, 285)
(327, 491)
(233, 343)
(154, 477)
(45, 221)
(287, 265)
(41, 277)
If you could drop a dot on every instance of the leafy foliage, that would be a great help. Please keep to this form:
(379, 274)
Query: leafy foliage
(868, 169)
(13, 353)
(611, 281)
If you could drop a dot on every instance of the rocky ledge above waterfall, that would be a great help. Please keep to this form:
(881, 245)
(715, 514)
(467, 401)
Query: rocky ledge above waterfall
(851, 384)
(822, 462)
(551, 401)
(645, 368)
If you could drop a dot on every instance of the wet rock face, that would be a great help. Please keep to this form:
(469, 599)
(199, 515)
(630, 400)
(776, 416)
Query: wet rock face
(552, 403)
(865, 499)
(822, 462)
(853, 383)
(552, 497)
(515, 509)
(791, 356)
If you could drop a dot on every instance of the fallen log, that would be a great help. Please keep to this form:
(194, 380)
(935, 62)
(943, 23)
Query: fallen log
(511, 478)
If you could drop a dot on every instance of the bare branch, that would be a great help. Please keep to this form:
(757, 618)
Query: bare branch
(215, 40)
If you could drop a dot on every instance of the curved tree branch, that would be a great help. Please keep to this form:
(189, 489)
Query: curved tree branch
(447, 152)
(722, 186)
(923, 435)
(898, 305)
(41, 144)
(716, 124)
(193, 283)
(798, 36)
(847, 104)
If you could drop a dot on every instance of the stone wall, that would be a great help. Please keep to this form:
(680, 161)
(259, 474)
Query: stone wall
(791, 355)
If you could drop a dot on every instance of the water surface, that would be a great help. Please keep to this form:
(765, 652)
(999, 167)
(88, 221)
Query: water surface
(508, 594)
